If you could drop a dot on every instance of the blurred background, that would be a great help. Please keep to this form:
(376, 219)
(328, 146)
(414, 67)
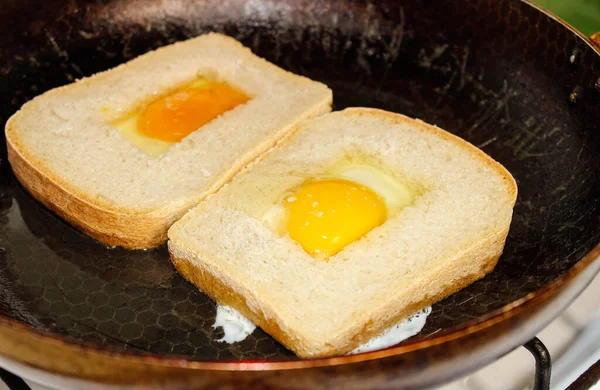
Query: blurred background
(582, 14)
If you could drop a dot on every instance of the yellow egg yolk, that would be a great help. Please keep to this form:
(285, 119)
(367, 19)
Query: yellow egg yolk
(326, 215)
(173, 117)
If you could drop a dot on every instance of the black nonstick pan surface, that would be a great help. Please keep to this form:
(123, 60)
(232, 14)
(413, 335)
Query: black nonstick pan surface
(502, 74)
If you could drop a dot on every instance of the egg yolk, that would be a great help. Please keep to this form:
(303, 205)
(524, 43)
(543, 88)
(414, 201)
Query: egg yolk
(326, 215)
(173, 117)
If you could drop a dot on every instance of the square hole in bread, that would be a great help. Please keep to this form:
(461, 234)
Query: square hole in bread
(165, 119)
(341, 204)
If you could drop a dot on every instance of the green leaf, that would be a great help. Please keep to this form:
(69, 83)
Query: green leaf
(581, 14)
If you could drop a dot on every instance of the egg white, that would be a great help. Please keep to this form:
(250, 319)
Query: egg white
(394, 193)
(151, 146)
(236, 328)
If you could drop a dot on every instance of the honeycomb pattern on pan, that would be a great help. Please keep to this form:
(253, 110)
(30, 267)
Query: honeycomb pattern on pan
(482, 72)
(135, 300)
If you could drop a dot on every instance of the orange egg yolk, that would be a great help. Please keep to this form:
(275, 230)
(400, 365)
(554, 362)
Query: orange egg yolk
(173, 117)
(326, 215)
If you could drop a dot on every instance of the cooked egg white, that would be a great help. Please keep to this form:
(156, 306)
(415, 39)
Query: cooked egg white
(395, 194)
(153, 147)
(236, 328)
(397, 333)
(170, 118)
(326, 213)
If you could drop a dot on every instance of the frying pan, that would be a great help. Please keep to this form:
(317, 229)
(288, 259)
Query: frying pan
(503, 74)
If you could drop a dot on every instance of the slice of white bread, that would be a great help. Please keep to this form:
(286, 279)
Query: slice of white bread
(64, 150)
(451, 236)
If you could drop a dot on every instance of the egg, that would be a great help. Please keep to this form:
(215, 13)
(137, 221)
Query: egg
(237, 328)
(170, 118)
(396, 334)
(325, 214)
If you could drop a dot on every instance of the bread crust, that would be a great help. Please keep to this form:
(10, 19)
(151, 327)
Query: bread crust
(131, 231)
(215, 287)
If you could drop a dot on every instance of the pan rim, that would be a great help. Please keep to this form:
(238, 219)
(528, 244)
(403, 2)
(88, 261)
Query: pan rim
(501, 314)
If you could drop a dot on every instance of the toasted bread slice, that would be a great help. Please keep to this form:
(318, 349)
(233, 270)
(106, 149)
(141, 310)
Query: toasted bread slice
(65, 150)
(452, 235)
